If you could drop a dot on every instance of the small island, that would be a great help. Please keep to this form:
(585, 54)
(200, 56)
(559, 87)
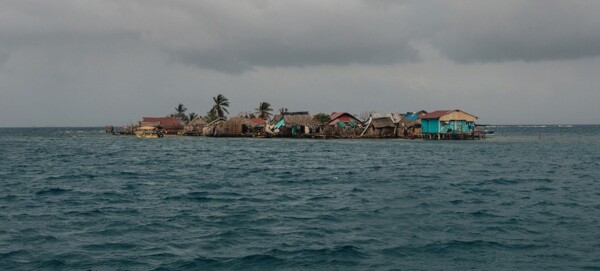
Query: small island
(453, 124)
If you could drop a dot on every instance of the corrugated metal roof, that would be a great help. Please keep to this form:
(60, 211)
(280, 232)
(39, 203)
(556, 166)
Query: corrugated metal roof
(436, 114)
(441, 113)
(258, 121)
(336, 115)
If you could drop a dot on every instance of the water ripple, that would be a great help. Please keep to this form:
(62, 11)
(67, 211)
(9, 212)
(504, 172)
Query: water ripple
(84, 200)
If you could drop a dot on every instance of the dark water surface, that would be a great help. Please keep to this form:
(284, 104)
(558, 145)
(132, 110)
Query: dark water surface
(77, 199)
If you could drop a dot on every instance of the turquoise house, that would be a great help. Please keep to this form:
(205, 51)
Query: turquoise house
(448, 122)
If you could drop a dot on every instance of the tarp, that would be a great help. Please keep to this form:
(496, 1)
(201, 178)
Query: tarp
(341, 124)
(411, 117)
(280, 123)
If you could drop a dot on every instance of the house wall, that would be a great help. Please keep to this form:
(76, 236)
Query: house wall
(458, 126)
(430, 126)
(380, 132)
(457, 122)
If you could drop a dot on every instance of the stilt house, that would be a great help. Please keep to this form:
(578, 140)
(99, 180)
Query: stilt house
(448, 122)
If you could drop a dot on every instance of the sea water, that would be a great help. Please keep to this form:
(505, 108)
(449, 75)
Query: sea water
(80, 199)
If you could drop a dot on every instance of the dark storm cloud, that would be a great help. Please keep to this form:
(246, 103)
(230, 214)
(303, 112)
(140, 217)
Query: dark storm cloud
(15, 41)
(383, 33)
(3, 57)
(498, 31)
(114, 60)
(300, 35)
(234, 37)
(239, 59)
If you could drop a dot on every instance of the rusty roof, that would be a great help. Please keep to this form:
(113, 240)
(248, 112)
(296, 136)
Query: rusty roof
(336, 115)
(165, 121)
(436, 114)
(258, 121)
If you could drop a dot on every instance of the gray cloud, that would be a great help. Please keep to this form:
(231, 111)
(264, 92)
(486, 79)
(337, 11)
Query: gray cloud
(239, 59)
(235, 37)
(3, 57)
(300, 35)
(382, 33)
(113, 61)
(498, 31)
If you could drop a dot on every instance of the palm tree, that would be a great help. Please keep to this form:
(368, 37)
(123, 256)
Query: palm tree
(283, 110)
(220, 107)
(180, 112)
(180, 109)
(210, 116)
(264, 110)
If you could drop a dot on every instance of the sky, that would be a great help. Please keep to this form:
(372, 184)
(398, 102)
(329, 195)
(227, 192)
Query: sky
(94, 63)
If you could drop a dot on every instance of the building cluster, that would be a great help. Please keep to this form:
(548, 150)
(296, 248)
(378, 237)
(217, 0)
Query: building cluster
(441, 124)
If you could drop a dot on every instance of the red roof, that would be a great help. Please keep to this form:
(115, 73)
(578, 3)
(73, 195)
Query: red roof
(436, 114)
(342, 116)
(165, 121)
(336, 115)
(258, 121)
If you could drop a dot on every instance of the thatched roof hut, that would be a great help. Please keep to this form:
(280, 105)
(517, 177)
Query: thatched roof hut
(380, 127)
(410, 125)
(210, 129)
(194, 127)
(168, 124)
(295, 118)
(294, 123)
(384, 122)
(234, 127)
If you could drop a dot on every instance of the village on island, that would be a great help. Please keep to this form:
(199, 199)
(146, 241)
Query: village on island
(452, 124)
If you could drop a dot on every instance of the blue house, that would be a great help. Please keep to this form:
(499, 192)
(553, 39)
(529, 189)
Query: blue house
(448, 122)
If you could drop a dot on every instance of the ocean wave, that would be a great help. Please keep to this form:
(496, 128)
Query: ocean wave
(457, 245)
(52, 191)
(103, 202)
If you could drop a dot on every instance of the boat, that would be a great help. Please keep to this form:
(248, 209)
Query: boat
(147, 132)
(489, 133)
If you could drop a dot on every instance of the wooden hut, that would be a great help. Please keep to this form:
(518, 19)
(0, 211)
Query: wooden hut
(212, 129)
(454, 122)
(410, 125)
(235, 127)
(343, 119)
(293, 124)
(380, 127)
(194, 127)
(232, 127)
(168, 124)
(258, 126)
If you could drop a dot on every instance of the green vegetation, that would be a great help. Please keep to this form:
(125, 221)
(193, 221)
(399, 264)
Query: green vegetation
(264, 111)
(220, 107)
(322, 118)
(180, 113)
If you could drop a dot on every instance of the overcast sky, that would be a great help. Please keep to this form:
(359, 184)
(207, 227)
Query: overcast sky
(91, 63)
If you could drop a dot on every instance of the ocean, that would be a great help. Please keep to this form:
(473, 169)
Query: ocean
(80, 199)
